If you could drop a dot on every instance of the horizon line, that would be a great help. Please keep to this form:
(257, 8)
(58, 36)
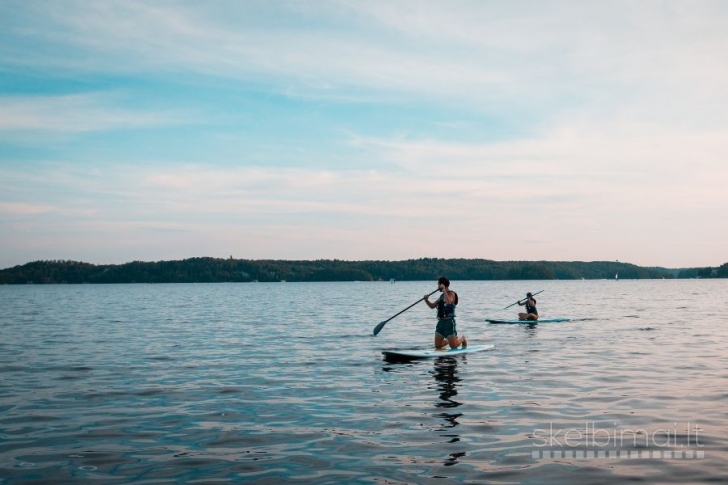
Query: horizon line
(356, 261)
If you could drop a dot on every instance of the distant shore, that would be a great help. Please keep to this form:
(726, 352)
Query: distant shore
(217, 270)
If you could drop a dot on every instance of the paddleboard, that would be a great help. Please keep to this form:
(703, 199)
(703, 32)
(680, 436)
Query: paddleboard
(425, 354)
(529, 322)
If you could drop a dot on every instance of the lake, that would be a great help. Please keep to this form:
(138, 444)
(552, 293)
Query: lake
(284, 382)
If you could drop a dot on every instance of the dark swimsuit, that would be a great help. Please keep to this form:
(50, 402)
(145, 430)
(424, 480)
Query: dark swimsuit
(446, 310)
(446, 317)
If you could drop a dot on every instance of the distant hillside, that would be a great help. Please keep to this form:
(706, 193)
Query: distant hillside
(208, 270)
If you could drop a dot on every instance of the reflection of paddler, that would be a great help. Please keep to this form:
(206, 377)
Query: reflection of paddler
(446, 332)
(445, 374)
(531, 311)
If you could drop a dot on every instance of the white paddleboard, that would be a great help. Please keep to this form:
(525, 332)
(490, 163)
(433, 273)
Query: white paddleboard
(529, 322)
(425, 354)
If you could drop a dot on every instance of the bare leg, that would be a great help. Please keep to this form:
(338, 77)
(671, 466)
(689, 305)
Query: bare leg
(455, 341)
(523, 316)
(439, 341)
(532, 316)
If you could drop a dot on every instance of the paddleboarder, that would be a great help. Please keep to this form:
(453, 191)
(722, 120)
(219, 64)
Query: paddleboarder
(446, 332)
(531, 311)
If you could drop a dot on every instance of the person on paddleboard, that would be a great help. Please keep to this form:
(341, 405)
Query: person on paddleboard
(445, 332)
(531, 311)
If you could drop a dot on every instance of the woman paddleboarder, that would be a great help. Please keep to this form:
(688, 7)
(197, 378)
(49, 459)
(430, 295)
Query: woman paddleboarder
(445, 332)
(531, 311)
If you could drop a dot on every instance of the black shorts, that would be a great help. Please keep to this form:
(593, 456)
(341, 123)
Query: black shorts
(446, 327)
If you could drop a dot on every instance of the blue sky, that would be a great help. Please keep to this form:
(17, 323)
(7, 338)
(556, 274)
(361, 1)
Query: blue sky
(507, 130)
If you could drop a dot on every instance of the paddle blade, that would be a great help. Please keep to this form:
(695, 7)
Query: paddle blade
(379, 327)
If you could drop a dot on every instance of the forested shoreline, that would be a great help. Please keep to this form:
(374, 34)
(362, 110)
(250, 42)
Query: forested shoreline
(217, 270)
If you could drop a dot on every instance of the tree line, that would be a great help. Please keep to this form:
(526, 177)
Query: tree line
(212, 270)
(707, 272)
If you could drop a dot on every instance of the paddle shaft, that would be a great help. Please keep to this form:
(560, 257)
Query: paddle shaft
(380, 326)
(519, 301)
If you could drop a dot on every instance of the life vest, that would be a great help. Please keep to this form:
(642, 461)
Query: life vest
(444, 309)
(531, 308)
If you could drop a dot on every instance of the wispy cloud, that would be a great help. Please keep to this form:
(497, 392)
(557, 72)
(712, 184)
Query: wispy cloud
(480, 51)
(78, 113)
(10, 209)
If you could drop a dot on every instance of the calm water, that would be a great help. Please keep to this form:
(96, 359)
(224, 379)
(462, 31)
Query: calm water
(264, 383)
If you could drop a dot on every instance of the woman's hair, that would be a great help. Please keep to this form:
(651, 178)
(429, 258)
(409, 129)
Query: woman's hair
(442, 280)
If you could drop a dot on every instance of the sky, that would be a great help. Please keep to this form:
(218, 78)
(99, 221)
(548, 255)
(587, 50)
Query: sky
(362, 130)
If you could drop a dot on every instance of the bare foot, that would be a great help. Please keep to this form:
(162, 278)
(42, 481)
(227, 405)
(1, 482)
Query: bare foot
(465, 342)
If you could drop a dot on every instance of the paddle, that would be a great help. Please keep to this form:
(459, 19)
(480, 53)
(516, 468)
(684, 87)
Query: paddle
(379, 327)
(519, 301)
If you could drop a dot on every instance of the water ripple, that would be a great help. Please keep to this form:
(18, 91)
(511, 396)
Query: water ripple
(185, 383)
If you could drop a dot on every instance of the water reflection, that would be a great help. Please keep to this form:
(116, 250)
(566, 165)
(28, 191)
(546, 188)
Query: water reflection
(531, 329)
(445, 372)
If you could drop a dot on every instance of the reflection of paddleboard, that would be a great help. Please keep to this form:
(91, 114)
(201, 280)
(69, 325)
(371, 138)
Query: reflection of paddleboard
(529, 322)
(424, 354)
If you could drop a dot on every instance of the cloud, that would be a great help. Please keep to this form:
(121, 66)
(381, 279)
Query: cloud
(484, 52)
(574, 171)
(78, 113)
(531, 64)
(10, 209)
